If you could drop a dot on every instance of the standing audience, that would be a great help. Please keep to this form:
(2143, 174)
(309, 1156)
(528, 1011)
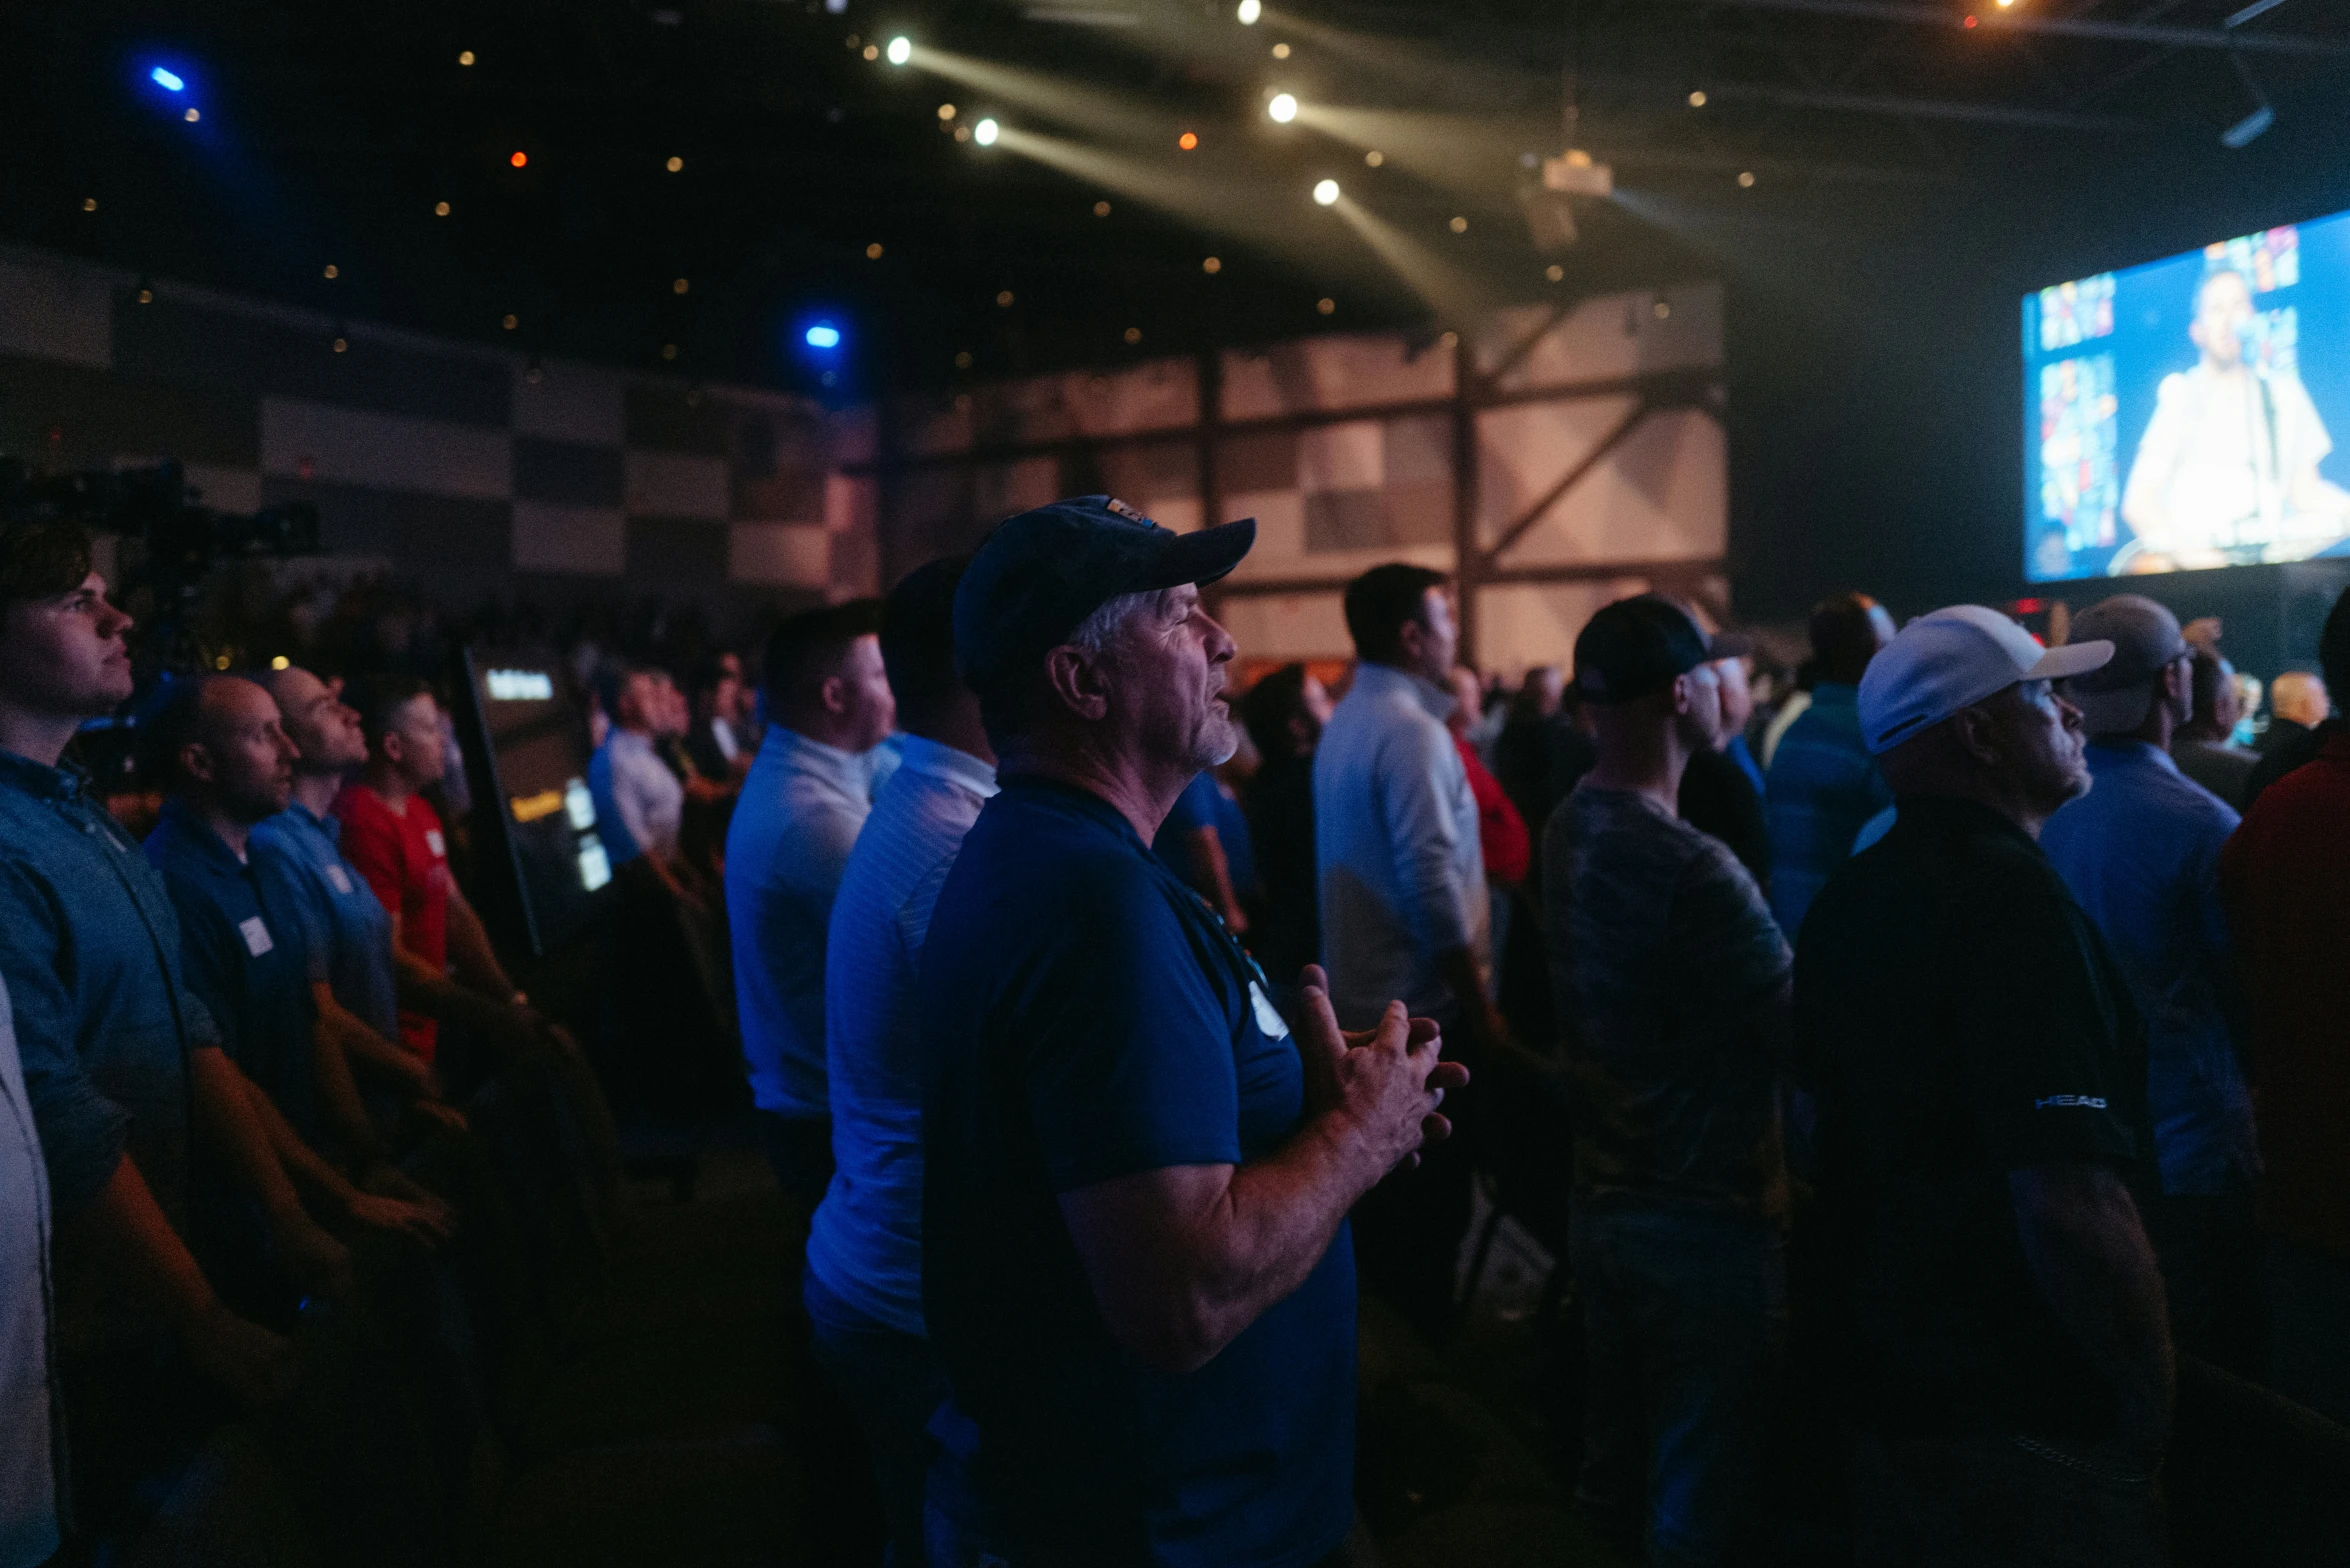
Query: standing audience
(2299, 723)
(829, 709)
(2141, 853)
(2286, 875)
(1404, 906)
(1980, 1076)
(1722, 789)
(1823, 785)
(1135, 1186)
(1673, 980)
(1285, 713)
(2203, 747)
(1501, 832)
(864, 1281)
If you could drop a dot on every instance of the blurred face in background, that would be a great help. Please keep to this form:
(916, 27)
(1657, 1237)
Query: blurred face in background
(324, 728)
(411, 744)
(1737, 698)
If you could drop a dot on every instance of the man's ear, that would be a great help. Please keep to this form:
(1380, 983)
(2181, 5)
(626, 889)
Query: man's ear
(833, 694)
(1976, 730)
(195, 761)
(1077, 683)
(1680, 695)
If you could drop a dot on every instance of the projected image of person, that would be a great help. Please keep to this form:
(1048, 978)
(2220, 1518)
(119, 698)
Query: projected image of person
(2226, 473)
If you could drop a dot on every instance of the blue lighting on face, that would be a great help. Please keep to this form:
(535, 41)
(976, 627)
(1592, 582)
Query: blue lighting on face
(169, 80)
(823, 335)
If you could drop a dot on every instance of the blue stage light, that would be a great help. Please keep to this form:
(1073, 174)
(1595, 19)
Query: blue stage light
(823, 335)
(170, 81)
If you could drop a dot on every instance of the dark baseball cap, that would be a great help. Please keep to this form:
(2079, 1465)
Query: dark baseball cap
(1637, 646)
(1039, 575)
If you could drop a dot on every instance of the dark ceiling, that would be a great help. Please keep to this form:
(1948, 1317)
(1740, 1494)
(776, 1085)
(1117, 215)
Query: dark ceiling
(327, 133)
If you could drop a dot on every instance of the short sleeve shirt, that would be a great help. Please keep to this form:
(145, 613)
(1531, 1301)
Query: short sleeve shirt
(245, 960)
(1084, 1018)
(1958, 1017)
(345, 931)
(1663, 950)
(405, 859)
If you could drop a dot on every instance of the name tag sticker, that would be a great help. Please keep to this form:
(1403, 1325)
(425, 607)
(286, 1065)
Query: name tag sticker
(339, 880)
(256, 936)
(434, 842)
(1269, 1017)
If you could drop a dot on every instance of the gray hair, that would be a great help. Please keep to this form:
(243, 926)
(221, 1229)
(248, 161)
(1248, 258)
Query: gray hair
(1098, 631)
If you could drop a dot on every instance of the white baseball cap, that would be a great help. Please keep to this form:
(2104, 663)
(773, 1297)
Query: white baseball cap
(1953, 659)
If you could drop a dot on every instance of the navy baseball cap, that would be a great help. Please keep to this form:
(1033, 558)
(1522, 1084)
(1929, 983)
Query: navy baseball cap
(1639, 645)
(1038, 576)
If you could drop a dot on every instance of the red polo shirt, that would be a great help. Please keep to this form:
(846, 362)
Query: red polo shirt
(1509, 850)
(406, 860)
(2286, 877)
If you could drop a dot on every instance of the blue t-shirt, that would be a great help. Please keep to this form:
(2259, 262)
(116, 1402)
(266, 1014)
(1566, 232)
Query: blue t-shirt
(345, 927)
(1085, 1018)
(242, 951)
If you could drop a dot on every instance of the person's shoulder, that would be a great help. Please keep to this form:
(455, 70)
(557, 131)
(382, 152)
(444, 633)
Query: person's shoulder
(2175, 388)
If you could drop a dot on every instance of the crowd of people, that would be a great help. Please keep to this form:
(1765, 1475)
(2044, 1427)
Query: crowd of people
(1107, 1026)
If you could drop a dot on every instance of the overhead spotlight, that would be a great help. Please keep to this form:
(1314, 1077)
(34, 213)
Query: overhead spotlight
(872, 51)
(1326, 305)
(1283, 108)
(962, 133)
(1555, 272)
(1574, 173)
(89, 204)
(281, 662)
(464, 57)
(823, 334)
(901, 49)
(1248, 11)
(1212, 266)
(985, 133)
(946, 111)
(1374, 158)
(509, 323)
(873, 251)
(169, 80)
(519, 159)
(1101, 209)
(1188, 141)
(675, 165)
(1133, 335)
(440, 209)
(341, 346)
(680, 286)
(1697, 99)
(1004, 299)
(963, 359)
(1459, 225)
(1746, 179)
(1281, 51)
(333, 271)
(193, 114)
(1325, 193)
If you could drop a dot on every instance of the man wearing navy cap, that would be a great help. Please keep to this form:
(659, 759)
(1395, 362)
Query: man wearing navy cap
(1671, 979)
(1979, 1070)
(1136, 1265)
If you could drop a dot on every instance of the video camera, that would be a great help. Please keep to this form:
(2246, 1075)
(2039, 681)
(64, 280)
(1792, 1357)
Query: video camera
(183, 538)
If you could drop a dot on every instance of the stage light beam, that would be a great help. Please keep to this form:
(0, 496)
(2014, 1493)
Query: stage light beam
(1283, 108)
(170, 81)
(986, 132)
(1248, 11)
(1325, 193)
(901, 49)
(823, 335)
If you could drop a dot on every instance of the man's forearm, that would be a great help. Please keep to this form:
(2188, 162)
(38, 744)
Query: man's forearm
(2088, 1252)
(126, 1231)
(1233, 1240)
(470, 952)
(225, 1107)
(300, 1161)
(339, 1092)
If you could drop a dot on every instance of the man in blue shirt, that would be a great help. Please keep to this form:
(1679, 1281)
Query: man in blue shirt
(1136, 1266)
(1823, 785)
(346, 931)
(216, 745)
(2141, 852)
(802, 803)
(864, 1283)
(119, 1060)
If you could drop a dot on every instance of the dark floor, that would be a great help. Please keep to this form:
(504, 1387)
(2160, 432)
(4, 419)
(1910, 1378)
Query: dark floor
(657, 1440)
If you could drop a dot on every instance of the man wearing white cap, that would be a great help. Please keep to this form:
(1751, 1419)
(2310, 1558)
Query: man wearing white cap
(2141, 851)
(1980, 1074)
